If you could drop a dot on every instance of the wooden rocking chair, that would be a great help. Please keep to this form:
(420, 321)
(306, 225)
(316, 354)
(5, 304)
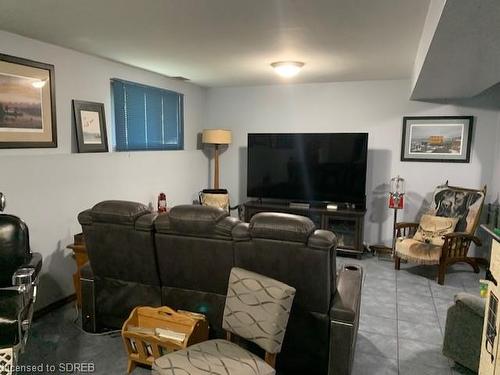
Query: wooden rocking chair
(448, 201)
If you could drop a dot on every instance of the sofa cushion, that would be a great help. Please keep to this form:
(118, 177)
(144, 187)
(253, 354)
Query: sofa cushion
(283, 227)
(85, 217)
(118, 212)
(195, 220)
(122, 252)
(241, 232)
(225, 226)
(146, 222)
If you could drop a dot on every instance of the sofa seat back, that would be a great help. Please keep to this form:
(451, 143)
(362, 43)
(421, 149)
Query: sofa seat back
(194, 249)
(195, 256)
(288, 248)
(119, 237)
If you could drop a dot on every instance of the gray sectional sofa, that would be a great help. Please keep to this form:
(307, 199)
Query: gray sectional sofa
(183, 259)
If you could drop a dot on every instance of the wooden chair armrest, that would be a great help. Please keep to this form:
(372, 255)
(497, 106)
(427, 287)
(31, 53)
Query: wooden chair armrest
(406, 225)
(405, 229)
(462, 235)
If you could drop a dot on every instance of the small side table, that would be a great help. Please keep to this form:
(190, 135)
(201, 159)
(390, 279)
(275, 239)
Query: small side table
(81, 257)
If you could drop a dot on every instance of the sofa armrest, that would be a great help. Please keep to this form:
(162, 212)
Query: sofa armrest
(347, 299)
(89, 319)
(344, 319)
(464, 330)
(322, 239)
(469, 301)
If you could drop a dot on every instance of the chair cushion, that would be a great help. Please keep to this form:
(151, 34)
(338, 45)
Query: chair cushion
(432, 229)
(461, 203)
(211, 357)
(257, 308)
(11, 304)
(417, 252)
(14, 247)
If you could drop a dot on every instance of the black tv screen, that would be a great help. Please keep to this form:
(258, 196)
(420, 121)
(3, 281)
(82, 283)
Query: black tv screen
(319, 167)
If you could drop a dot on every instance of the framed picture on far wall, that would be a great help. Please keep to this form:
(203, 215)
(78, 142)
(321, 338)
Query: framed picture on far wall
(90, 126)
(437, 139)
(27, 103)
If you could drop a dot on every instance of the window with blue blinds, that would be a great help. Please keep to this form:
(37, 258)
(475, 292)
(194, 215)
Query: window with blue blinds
(147, 118)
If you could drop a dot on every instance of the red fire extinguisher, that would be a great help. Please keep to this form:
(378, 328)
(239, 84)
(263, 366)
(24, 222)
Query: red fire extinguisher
(162, 202)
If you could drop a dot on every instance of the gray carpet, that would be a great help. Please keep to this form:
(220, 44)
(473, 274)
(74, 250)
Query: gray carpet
(401, 328)
(56, 340)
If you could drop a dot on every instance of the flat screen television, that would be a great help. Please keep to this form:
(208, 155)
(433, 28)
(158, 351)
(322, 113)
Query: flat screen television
(308, 167)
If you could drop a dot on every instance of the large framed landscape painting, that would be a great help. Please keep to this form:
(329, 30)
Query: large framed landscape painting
(27, 103)
(437, 139)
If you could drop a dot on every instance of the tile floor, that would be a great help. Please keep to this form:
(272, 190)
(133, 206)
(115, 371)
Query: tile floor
(403, 315)
(401, 326)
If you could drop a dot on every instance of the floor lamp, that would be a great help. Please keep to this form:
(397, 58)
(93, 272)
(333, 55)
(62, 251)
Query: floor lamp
(216, 137)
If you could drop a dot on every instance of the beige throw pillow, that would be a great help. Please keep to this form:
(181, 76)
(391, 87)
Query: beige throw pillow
(215, 200)
(432, 229)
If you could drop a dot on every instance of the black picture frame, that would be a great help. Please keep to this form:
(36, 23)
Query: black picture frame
(85, 140)
(21, 138)
(451, 142)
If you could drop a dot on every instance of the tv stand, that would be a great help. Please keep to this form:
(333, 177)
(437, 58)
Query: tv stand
(346, 223)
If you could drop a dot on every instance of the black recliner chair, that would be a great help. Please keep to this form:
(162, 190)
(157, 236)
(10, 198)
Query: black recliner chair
(19, 270)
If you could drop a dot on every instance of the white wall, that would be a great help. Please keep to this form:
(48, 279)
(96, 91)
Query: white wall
(376, 107)
(495, 186)
(48, 187)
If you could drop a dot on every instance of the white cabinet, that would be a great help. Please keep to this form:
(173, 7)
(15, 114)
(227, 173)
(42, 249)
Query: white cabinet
(489, 363)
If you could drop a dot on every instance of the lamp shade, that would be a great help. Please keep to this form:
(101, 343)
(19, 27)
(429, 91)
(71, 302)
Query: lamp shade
(216, 136)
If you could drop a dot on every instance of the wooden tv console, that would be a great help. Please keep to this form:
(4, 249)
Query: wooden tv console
(347, 224)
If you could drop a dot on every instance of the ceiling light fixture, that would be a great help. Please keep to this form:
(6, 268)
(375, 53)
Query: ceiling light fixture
(38, 84)
(287, 69)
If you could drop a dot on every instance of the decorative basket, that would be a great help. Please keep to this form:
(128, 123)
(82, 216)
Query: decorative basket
(144, 346)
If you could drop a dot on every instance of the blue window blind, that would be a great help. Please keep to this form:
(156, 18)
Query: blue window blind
(147, 118)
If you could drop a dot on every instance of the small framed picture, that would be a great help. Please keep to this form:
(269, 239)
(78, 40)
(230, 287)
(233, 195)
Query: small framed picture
(90, 125)
(27, 103)
(437, 139)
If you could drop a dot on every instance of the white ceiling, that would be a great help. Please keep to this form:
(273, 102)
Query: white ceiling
(232, 42)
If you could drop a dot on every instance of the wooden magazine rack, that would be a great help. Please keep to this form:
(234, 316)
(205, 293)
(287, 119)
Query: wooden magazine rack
(144, 347)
